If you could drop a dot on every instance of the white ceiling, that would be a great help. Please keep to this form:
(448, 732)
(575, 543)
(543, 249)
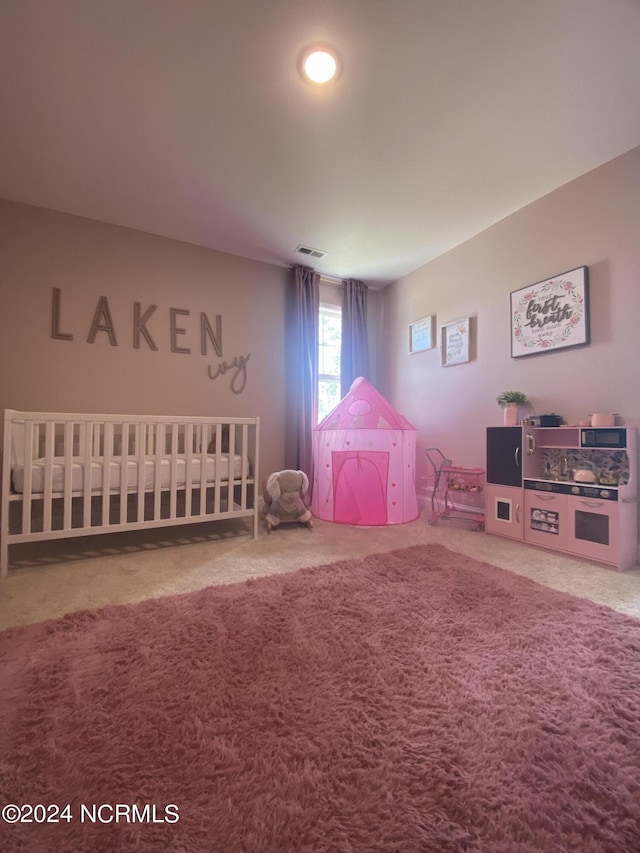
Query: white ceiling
(188, 119)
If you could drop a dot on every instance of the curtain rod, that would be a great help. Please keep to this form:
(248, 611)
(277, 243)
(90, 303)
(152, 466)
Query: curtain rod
(332, 279)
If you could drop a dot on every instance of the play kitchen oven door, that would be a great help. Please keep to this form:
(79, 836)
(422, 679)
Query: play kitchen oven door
(592, 525)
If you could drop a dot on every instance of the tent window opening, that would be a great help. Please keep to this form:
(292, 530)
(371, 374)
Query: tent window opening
(329, 345)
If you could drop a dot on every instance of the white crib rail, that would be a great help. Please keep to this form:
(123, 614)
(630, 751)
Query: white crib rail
(101, 444)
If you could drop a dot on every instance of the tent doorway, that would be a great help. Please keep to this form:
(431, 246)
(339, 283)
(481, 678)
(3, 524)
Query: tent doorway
(359, 486)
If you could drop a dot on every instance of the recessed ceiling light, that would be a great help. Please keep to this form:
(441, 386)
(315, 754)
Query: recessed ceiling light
(319, 64)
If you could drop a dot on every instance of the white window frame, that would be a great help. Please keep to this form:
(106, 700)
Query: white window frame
(327, 309)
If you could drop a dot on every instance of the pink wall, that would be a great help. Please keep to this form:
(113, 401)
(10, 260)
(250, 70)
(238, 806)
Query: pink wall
(41, 250)
(595, 221)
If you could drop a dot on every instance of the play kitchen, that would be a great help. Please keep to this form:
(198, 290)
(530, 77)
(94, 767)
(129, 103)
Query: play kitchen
(570, 488)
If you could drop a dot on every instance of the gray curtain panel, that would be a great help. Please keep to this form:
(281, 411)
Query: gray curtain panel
(354, 359)
(303, 308)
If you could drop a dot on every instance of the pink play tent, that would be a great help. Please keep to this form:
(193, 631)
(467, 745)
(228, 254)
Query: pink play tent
(364, 462)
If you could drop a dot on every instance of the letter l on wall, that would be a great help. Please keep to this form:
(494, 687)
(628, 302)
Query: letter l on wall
(55, 317)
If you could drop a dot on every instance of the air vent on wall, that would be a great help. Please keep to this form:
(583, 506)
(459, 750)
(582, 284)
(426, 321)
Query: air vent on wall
(309, 252)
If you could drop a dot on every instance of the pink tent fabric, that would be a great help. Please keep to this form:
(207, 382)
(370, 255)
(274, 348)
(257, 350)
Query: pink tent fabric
(364, 462)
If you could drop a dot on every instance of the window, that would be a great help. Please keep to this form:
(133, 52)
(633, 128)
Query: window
(329, 341)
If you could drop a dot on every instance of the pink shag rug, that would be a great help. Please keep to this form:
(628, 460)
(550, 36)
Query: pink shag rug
(416, 700)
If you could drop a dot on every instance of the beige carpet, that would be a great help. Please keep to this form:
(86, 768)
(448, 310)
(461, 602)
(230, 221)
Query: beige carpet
(50, 579)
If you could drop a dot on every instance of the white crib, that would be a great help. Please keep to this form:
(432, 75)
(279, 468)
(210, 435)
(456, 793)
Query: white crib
(80, 474)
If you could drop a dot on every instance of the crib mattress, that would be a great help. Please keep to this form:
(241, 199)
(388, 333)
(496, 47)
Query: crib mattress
(131, 473)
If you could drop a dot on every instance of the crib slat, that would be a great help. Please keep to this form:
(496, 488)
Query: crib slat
(67, 486)
(231, 469)
(81, 437)
(9, 433)
(173, 493)
(141, 431)
(106, 471)
(124, 471)
(255, 445)
(48, 475)
(86, 487)
(244, 466)
(188, 470)
(159, 437)
(203, 469)
(29, 451)
(217, 465)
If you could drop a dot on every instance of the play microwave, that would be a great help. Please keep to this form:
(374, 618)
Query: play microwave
(604, 437)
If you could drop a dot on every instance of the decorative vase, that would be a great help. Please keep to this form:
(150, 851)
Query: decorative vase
(511, 414)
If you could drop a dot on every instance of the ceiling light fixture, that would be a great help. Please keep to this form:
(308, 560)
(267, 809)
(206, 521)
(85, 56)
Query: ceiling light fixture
(319, 64)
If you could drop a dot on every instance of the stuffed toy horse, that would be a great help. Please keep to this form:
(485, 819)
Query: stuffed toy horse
(283, 499)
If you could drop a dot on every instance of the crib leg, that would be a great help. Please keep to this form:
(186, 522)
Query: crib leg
(4, 558)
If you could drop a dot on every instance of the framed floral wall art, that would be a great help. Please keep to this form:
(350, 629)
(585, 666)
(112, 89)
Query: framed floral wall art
(551, 314)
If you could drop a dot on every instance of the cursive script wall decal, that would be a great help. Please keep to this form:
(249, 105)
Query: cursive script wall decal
(239, 366)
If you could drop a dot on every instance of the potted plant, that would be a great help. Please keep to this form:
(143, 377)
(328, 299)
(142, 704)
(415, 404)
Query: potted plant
(510, 401)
